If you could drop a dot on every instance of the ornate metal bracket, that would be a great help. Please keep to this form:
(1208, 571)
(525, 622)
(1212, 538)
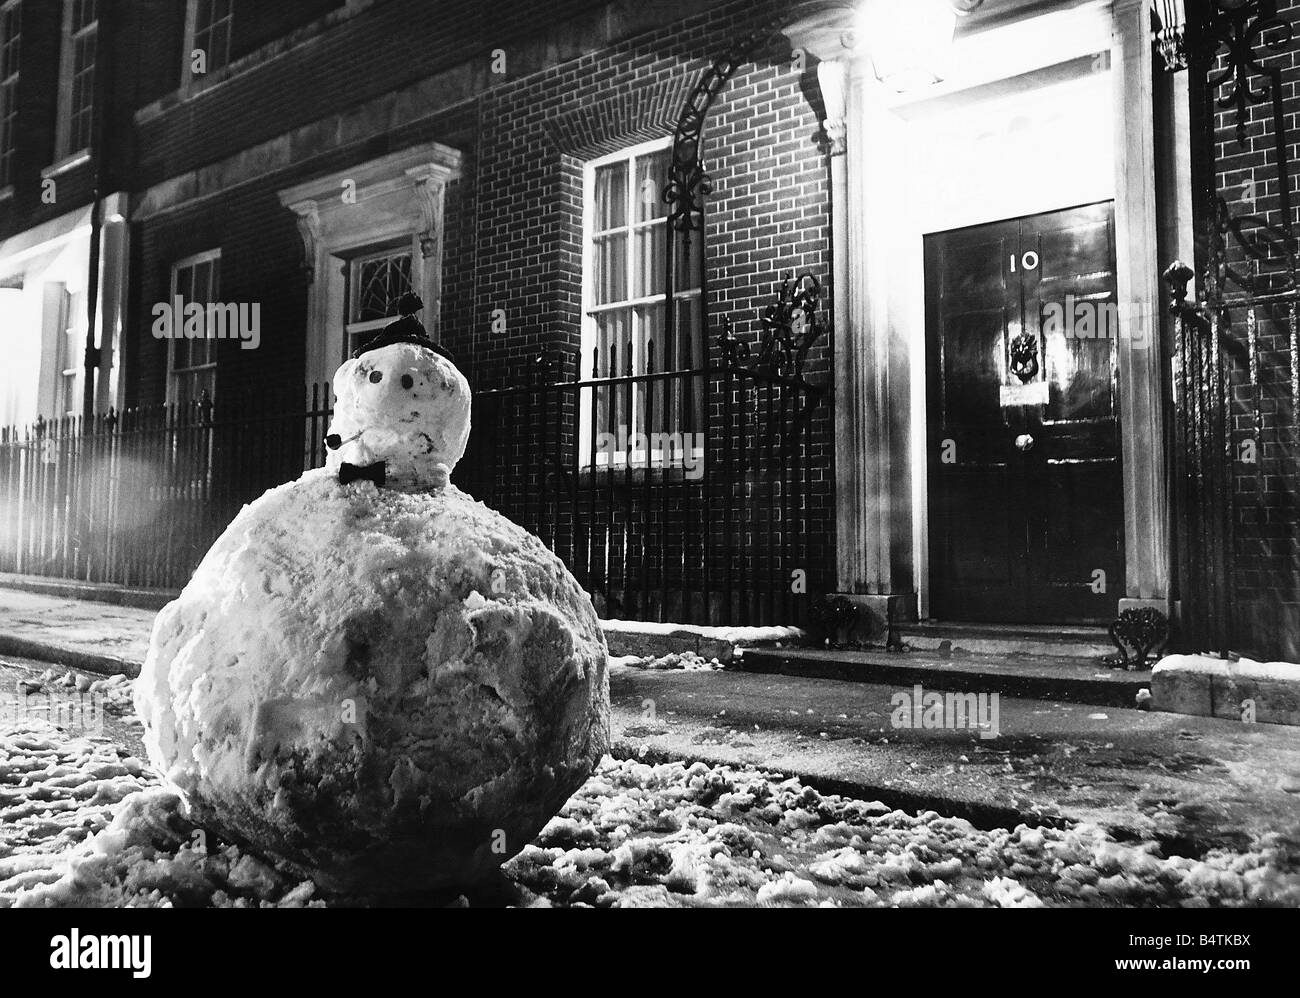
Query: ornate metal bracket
(1144, 631)
(688, 182)
(834, 618)
(1243, 29)
(1231, 50)
(790, 327)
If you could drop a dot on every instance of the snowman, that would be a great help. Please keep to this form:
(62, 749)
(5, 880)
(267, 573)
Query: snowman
(371, 676)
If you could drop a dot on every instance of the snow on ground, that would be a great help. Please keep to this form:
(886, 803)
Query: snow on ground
(737, 635)
(1245, 668)
(83, 823)
(56, 791)
(113, 693)
(673, 834)
(687, 660)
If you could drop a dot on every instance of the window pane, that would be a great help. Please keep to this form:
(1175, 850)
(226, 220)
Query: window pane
(611, 196)
(82, 96)
(191, 386)
(9, 30)
(379, 283)
(212, 32)
(650, 261)
(84, 53)
(611, 268)
(219, 46)
(203, 281)
(185, 283)
(610, 359)
(650, 338)
(651, 178)
(202, 350)
(8, 121)
(612, 344)
(83, 13)
(649, 342)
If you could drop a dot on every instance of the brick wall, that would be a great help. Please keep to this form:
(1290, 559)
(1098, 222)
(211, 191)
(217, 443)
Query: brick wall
(391, 44)
(513, 224)
(262, 261)
(1265, 508)
(767, 219)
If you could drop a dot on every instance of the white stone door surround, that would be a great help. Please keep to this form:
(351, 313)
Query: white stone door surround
(395, 197)
(881, 540)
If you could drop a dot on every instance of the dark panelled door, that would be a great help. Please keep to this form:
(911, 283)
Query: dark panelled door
(1025, 492)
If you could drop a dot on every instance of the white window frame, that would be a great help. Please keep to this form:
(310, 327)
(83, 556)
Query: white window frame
(9, 86)
(354, 263)
(657, 458)
(225, 23)
(174, 373)
(63, 126)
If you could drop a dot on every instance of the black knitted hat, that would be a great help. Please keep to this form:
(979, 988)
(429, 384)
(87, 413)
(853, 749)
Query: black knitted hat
(407, 329)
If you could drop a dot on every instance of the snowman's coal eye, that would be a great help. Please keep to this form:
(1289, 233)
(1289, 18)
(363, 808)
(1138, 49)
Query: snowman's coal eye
(376, 377)
(407, 381)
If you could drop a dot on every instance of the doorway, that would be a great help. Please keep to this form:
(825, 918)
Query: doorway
(1025, 500)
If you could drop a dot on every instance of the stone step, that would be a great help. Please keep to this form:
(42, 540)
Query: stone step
(1068, 678)
(1038, 640)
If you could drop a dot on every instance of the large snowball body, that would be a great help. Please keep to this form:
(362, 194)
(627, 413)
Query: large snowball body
(392, 691)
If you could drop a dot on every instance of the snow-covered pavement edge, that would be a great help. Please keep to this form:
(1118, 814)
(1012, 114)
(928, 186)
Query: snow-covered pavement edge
(85, 824)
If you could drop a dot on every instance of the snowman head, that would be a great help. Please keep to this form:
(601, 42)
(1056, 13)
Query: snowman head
(401, 411)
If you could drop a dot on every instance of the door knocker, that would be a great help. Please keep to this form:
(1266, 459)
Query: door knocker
(1024, 357)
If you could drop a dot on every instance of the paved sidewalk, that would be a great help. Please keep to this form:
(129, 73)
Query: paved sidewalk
(97, 636)
(1191, 782)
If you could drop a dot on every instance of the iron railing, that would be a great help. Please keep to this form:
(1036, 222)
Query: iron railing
(1235, 468)
(672, 496)
(135, 498)
(660, 518)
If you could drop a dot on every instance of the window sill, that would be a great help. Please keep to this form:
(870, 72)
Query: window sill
(6, 192)
(67, 163)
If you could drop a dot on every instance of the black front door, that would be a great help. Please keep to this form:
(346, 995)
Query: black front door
(1025, 492)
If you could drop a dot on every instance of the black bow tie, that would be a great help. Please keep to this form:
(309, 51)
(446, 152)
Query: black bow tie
(368, 472)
